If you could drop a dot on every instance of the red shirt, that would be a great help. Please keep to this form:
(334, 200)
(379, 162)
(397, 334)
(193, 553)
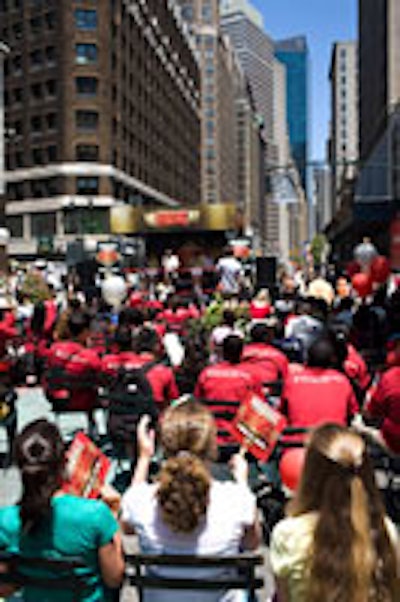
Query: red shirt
(160, 377)
(77, 360)
(265, 363)
(225, 381)
(313, 396)
(259, 312)
(385, 404)
(356, 368)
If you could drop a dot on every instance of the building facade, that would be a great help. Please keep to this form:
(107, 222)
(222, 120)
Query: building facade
(255, 50)
(3, 53)
(250, 163)
(294, 54)
(103, 100)
(379, 63)
(322, 182)
(344, 143)
(219, 88)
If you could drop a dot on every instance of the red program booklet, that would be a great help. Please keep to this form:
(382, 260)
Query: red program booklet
(86, 468)
(257, 427)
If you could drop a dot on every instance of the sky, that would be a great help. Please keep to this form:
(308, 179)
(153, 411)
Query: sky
(323, 22)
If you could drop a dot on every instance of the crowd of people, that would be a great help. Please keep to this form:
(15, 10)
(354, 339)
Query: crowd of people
(328, 361)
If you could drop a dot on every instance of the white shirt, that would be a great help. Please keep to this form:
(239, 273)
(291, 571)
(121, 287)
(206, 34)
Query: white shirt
(231, 509)
(230, 270)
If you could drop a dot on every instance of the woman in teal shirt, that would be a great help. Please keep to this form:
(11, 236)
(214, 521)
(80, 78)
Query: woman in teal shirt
(48, 523)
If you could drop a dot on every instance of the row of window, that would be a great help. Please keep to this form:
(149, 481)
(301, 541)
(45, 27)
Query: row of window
(48, 187)
(49, 154)
(38, 91)
(37, 58)
(85, 20)
(81, 220)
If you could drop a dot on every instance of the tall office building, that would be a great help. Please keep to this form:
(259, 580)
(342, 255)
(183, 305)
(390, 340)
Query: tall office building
(103, 99)
(293, 53)
(344, 141)
(322, 182)
(250, 162)
(219, 77)
(255, 49)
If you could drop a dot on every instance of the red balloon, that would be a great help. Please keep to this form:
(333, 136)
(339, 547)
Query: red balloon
(380, 269)
(353, 267)
(362, 284)
(291, 467)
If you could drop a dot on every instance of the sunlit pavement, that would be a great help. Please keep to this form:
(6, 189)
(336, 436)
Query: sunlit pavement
(32, 405)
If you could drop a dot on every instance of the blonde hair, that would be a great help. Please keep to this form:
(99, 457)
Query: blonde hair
(188, 434)
(352, 557)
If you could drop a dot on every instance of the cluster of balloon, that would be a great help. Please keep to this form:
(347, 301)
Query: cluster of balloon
(367, 269)
(291, 467)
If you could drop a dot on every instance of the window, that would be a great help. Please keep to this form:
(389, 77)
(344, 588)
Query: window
(36, 58)
(50, 20)
(51, 87)
(37, 156)
(14, 224)
(43, 224)
(87, 152)
(85, 185)
(36, 124)
(50, 54)
(85, 19)
(17, 64)
(36, 25)
(36, 91)
(87, 120)
(86, 54)
(18, 95)
(86, 86)
(92, 220)
(19, 159)
(52, 153)
(51, 121)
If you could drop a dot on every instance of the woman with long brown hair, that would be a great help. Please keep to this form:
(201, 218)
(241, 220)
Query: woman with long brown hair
(336, 545)
(185, 511)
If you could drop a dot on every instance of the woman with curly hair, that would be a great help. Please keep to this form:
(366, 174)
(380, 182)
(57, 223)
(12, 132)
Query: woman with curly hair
(336, 545)
(185, 511)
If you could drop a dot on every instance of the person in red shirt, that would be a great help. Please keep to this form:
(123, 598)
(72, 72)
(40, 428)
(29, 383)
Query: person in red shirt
(353, 365)
(318, 393)
(226, 381)
(384, 405)
(78, 362)
(260, 307)
(161, 378)
(261, 359)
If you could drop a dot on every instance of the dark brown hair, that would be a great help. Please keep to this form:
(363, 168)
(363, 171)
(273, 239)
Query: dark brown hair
(352, 557)
(40, 456)
(188, 434)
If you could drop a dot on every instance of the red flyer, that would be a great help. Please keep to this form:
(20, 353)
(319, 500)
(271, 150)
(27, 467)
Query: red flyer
(257, 427)
(87, 468)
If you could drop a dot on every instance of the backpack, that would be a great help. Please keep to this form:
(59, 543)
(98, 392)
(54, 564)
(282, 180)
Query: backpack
(130, 397)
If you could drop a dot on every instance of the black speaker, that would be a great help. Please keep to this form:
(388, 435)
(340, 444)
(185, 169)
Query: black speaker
(265, 272)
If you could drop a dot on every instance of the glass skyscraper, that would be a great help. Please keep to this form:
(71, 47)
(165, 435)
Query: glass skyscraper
(293, 53)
